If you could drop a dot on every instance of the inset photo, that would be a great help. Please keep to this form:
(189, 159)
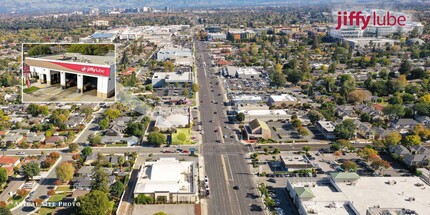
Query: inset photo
(68, 73)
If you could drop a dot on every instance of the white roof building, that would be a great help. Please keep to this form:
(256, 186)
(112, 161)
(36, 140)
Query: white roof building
(169, 178)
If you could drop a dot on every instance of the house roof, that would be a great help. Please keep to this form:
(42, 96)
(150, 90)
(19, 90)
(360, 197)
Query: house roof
(345, 176)
(304, 192)
(8, 160)
(256, 123)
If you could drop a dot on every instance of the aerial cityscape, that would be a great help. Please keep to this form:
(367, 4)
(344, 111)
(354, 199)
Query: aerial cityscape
(214, 108)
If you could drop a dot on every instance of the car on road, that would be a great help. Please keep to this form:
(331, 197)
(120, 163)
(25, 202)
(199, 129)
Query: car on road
(31, 193)
(20, 153)
(236, 187)
(218, 141)
(215, 112)
(272, 180)
(211, 120)
(225, 136)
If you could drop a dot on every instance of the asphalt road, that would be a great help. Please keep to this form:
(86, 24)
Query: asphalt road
(225, 164)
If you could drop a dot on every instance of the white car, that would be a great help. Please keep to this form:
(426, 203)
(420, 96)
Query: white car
(20, 153)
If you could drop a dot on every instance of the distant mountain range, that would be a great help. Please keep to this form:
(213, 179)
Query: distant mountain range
(28, 6)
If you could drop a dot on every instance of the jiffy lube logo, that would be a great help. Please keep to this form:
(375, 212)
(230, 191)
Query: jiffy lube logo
(358, 18)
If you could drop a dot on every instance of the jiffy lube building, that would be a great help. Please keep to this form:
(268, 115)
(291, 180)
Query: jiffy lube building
(86, 72)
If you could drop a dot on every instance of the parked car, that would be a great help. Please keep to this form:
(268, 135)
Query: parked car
(71, 83)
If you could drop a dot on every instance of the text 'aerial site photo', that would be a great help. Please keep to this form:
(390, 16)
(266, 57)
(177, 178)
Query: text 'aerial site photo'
(198, 107)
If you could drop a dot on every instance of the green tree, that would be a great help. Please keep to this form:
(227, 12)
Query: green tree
(3, 175)
(349, 166)
(240, 117)
(65, 171)
(297, 123)
(93, 203)
(393, 138)
(100, 181)
(104, 123)
(73, 147)
(94, 139)
(394, 111)
(345, 129)
(314, 116)
(5, 211)
(185, 92)
(411, 140)
(306, 149)
(156, 138)
(31, 169)
(117, 188)
(194, 87)
(168, 66)
(367, 153)
(39, 50)
(87, 151)
(143, 199)
(112, 113)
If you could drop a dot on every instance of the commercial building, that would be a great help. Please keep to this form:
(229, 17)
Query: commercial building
(246, 72)
(326, 128)
(216, 36)
(348, 193)
(292, 162)
(279, 100)
(347, 32)
(370, 42)
(168, 180)
(257, 129)
(245, 99)
(213, 29)
(170, 53)
(160, 79)
(240, 34)
(85, 72)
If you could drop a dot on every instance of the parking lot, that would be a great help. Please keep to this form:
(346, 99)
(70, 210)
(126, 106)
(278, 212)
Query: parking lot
(285, 131)
(179, 209)
(247, 85)
(170, 91)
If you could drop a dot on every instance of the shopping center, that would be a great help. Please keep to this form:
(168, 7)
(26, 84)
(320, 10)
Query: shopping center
(86, 73)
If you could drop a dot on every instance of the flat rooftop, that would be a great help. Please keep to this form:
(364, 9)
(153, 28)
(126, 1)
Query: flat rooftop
(80, 58)
(389, 192)
(283, 97)
(368, 192)
(165, 175)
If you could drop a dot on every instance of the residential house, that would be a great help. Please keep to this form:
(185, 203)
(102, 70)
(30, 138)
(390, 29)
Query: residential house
(91, 158)
(54, 139)
(418, 160)
(404, 125)
(399, 150)
(33, 137)
(86, 171)
(20, 131)
(346, 112)
(257, 129)
(9, 161)
(11, 138)
(130, 141)
(425, 120)
(327, 129)
(82, 183)
(74, 121)
(364, 129)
